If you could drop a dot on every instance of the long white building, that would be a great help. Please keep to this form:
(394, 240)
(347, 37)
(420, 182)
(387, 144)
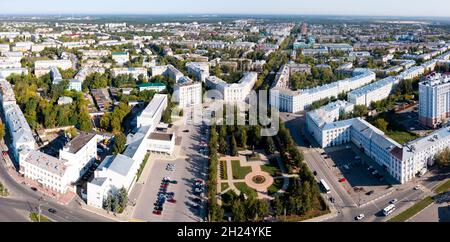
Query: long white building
(119, 171)
(373, 92)
(235, 92)
(403, 162)
(287, 100)
(434, 100)
(135, 72)
(42, 67)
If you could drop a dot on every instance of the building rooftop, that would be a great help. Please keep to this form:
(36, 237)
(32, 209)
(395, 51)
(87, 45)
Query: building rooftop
(46, 162)
(78, 142)
(160, 136)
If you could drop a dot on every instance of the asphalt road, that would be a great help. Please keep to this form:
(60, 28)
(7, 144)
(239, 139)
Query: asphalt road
(23, 201)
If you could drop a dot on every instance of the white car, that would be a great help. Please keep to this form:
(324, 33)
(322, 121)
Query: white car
(360, 216)
(393, 201)
(417, 187)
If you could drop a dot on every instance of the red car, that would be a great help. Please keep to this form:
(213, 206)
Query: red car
(164, 185)
(157, 212)
(342, 179)
(172, 200)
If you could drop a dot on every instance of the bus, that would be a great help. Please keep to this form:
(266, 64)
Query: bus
(325, 186)
(388, 210)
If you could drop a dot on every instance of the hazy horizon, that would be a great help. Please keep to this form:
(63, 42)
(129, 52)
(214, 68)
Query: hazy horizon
(397, 8)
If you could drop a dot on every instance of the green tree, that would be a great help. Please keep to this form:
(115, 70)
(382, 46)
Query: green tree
(234, 148)
(238, 211)
(381, 124)
(119, 143)
(443, 158)
(2, 130)
(360, 110)
(241, 136)
(269, 145)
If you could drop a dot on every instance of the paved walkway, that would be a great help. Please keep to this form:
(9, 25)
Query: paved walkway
(255, 165)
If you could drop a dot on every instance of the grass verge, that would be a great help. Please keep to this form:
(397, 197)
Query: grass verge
(408, 213)
(35, 217)
(242, 186)
(239, 172)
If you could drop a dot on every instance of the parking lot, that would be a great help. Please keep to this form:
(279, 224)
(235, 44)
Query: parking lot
(188, 165)
(362, 178)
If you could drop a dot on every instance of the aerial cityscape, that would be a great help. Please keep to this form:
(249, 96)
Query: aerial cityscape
(203, 111)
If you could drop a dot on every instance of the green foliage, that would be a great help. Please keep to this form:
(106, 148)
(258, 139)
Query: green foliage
(443, 158)
(116, 202)
(96, 80)
(3, 191)
(120, 141)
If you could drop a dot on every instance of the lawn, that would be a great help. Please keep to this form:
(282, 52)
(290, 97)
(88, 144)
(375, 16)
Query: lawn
(416, 208)
(271, 168)
(401, 137)
(443, 187)
(239, 171)
(276, 186)
(142, 166)
(3, 191)
(224, 186)
(35, 217)
(245, 189)
(223, 170)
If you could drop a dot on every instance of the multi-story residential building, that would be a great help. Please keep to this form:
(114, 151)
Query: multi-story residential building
(42, 67)
(75, 84)
(168, 71)
(47, 170)
(135, 72)
(186, 92)
(322, 126)
(236, 92)
(121, 57)
(80, 152)
(199, 69)
(6, 72)
(55, 75)
(94, 54)
(287, 100)
(434, 100)
(373, 92)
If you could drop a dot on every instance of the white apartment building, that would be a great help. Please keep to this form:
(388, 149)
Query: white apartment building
(235, 92)
(6, 72)
(46, 170)
(18, 128)
(121, 57)
(80, 152)
(111, 175)
(373, 92)
(199, 69)
(168, 71)
(187, 92)
(434, 100)
(322, 126)
(135, 72)
(42, 67)
(286, 100)
(94, 54)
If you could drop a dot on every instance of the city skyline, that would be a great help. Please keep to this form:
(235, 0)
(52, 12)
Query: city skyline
(415, 8)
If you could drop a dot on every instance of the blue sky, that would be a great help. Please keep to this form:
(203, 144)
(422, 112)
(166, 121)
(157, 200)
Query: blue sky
(436, 8)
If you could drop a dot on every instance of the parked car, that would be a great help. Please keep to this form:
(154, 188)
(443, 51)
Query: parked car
(417, 187)
(186, 130)
(157, 212)
(34, 189)
(332, 200)
(315, 173)
(51, 210)
(359, 217)
(369, 193)
(342, 179)
(172, 200)
(393, 201)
